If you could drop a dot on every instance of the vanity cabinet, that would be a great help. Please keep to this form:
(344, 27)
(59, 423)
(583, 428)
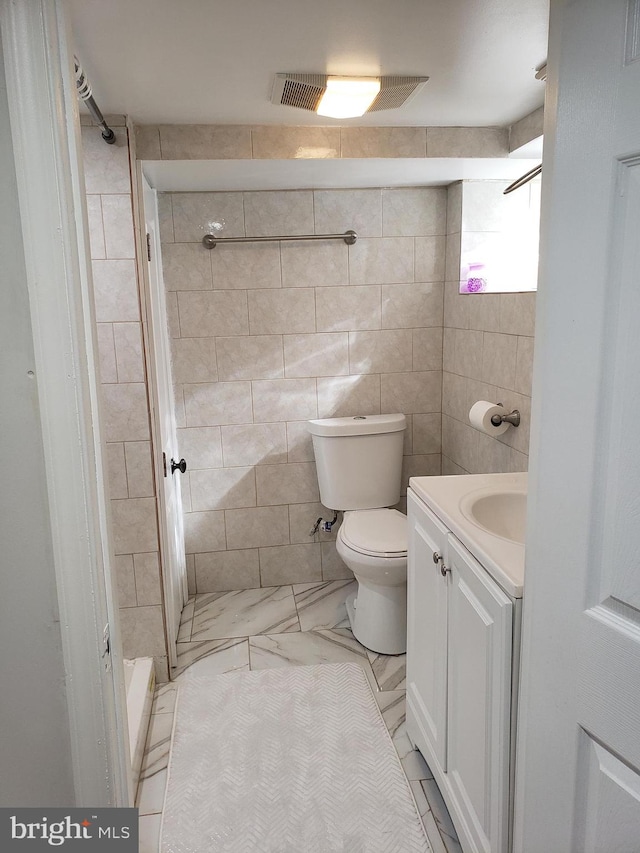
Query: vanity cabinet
(461, 675)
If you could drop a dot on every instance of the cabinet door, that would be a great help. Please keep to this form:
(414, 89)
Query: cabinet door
(479, 664)
(426, 632)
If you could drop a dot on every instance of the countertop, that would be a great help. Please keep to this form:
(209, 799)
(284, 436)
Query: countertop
(502, 558)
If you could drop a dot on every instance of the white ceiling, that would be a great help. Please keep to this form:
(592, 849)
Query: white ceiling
(213, 61)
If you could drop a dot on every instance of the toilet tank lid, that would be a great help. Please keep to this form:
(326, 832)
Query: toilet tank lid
(357, 425)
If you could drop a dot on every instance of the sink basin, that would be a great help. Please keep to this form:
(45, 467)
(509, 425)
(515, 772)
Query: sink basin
(501, 513)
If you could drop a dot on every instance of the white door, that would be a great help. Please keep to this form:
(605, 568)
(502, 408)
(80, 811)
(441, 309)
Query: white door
(479, 679)
(426, 633)
(578, 763)
(166, 445)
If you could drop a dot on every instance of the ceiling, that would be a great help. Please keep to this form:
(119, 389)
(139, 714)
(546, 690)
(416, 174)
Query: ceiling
(213, 61)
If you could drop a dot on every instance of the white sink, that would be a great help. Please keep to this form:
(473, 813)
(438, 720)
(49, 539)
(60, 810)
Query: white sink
(501, 513)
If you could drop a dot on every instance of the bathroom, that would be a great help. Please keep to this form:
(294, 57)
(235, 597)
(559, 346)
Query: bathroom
(339, 357)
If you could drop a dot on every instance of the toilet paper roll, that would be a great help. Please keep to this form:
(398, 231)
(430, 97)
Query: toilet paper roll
(480, 417)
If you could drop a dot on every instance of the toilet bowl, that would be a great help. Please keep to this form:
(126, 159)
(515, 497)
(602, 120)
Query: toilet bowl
(373, 544)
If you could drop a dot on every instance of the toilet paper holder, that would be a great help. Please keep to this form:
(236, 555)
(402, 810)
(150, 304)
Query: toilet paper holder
(512, 418)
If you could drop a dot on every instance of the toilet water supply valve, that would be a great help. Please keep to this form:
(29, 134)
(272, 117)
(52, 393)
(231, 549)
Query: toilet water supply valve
(326, 525)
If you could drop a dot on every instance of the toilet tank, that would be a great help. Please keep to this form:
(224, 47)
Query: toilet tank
(359, 460)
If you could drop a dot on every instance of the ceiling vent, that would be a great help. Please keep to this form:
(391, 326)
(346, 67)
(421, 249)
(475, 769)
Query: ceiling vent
(304, 91)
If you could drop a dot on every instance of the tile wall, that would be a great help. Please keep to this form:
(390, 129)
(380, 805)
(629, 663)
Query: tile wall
(266, 336)
(488, 348)
(125, 410)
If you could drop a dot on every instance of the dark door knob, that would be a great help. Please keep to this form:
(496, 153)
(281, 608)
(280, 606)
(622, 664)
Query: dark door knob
(179, 466)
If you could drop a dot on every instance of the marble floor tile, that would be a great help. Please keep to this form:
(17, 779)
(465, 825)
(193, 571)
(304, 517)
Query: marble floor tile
(269, 610)
(186, 621)
(390, 670)
(164, 699)
(441, 816)
(149, 833)
(433, 835)
(212, 656)
(392, 705)
(150, 799)
(413, 764)
(321, 605)
(309, 647)
(158, 746)
(419, 797)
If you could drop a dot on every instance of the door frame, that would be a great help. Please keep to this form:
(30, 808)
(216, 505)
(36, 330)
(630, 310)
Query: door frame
(45, 130)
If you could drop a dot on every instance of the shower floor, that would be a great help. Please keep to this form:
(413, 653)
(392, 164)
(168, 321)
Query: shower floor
(282, 626)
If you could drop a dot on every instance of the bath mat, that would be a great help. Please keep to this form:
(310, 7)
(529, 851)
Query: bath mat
(292, 760)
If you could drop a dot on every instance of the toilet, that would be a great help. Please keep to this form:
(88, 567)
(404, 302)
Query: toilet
(359, 464)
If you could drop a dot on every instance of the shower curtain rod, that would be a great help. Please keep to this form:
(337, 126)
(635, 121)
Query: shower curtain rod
(85, 94)
(210, 241)
(528, 176)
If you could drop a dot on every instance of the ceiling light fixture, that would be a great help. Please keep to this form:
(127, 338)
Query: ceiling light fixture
(348, 97)
(307, 92)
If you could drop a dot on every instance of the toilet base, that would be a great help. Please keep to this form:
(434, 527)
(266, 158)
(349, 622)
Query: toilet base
(378, 618)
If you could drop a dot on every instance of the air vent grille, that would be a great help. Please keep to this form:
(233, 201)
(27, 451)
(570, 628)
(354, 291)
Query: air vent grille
(304, 91)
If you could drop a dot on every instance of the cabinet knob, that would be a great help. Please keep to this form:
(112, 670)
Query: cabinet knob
(437, 558)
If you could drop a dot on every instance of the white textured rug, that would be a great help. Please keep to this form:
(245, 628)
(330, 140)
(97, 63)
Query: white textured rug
(293, 760)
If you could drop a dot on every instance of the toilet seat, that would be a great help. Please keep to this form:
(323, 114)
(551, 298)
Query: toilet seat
(375, 532)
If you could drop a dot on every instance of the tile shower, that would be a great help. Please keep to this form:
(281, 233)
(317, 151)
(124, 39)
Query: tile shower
(265, 336)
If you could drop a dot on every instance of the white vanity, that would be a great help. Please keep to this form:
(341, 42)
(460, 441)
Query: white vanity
(465, 580)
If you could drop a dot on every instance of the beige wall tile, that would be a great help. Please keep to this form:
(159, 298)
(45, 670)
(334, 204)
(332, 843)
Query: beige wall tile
(142, 631)
(258, 527)
(407, 306)
(248, 266)
(147, 142)
(499, 359)
(348, 395)
(283, 311)
(427, 434)
(186, 266)
(128, 346)
(449, 349)
(519, 461)
(381, 261)
(205, 314)
(125, 412)
(205, 142)
(528, 128)
(254, 444)
(254, 357)
(380, 352)
(204, 531)
(106, 353)
(106, 167)
(518, 313)
(173, 318)
(294, 482)
(484, 311)
(413, 212)
(278, 400)
(427, 349)
(201, 446)
(460, 443)
(227, 570)
(134, 525)
(299, 442)
(454, 207)
(117, 218)
(290, 564)
(321, 264)
(456, 306)
(302, 518)
(452, 270)
(348, 309)
(333, 569)
(194, 360)
(300, 143)
(467, 142)
(197, 214)
(191, 574)
(524, 366)
(139, 469)
(125, 580)
(222, 488)
(116, 291)
(284, 213)
(469, 351)
(96, 228)
(337, 211)
(116, 470)
(165, 218)
(450, 468)
(383, 142)
(147, 572)
(456, 396)
(493, 457)
(316, 354)
(185, 491)
(420, 465)
(430, 257)
(411, 392)
(218, 403)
